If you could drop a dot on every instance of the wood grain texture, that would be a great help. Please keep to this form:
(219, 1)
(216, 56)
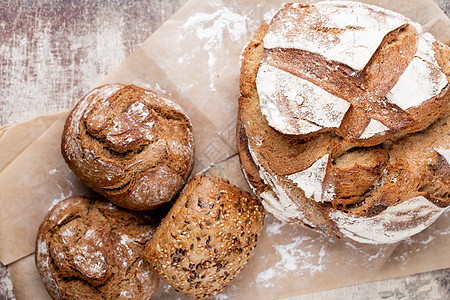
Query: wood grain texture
(6, 288)
(426, 286)
(53, 51)
(444, 5)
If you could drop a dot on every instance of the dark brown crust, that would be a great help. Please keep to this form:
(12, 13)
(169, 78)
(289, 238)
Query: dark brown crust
(354, 173)
(402, 164)
(130, 145)
(90, 249)
(206, 238)
(250, 169)
(312, 216)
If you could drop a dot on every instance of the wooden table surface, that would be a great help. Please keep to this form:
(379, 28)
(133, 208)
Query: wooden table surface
(53, 51)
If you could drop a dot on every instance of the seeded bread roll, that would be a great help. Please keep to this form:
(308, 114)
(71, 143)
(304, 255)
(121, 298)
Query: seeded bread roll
(348, 177)
(90, 249)
(207, 237)
(129, 145)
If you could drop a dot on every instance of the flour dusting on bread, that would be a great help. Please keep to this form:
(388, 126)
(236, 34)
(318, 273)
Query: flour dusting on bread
(278, 202)
(392, 225)
(339, 32)
(374, 127)
(294, 105)
(445, 153)
(311, 179)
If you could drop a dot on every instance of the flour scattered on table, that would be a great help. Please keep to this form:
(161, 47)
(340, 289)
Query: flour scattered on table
(214, 30)
(275, 228)
(297, 255)
(212, 26)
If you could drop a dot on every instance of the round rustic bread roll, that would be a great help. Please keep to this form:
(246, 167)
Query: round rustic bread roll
(129, 145)
(343, 121)
(206, 238)
(90, 249)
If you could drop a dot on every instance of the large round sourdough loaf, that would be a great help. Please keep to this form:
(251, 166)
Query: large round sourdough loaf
(343, 121)
(130, 145)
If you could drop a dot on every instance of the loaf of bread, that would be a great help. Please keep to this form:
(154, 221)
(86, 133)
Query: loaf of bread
(130, 145)
(90, 249)
(206, 238)
(343, 121)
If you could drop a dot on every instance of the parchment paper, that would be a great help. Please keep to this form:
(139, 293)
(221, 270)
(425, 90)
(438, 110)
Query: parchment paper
(17, 137)
(194, 59)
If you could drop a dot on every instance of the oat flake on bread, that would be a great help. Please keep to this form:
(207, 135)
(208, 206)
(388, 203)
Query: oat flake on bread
(343, 120)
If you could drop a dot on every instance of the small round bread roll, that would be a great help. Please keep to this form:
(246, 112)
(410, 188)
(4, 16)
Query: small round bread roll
(206, 238)
(344, 121)
(90, 249)
(129, 145)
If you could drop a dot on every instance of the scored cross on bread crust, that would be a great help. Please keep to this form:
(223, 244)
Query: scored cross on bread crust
(379, 174)
(363, 72)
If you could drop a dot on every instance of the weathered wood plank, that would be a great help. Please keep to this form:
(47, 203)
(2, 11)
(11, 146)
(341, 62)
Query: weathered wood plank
(52, 52)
